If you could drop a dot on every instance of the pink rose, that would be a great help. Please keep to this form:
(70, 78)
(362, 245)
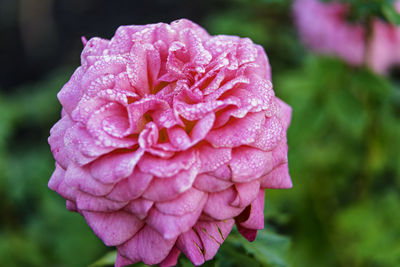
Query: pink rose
(168, 137)
(324, 28)
(384, 46)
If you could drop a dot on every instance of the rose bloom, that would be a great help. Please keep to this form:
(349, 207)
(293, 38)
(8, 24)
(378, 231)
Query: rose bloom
(384, 46)
(324, 28)
(168, 137)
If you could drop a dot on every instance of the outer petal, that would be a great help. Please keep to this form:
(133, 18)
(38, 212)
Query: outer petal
(56, 140)
(111, 168)
(131, 187)
(122, 261)
(212, 235)
(210, 183)
(211, 158)
(90, 203)
(278, 178)
(249, 163)
(113, 228)
(190, 244)
(139, 207)
(167, 167)
(147, 246)
(171, 226)
(219, 206)
(187, 202)
(252, 218)
(171, 259)
(164, 189)
(240, 132)
(81, 178)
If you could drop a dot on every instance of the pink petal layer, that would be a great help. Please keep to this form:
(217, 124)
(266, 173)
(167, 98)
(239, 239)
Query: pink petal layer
(249, 163)
(171, 259)
(122, 261)
(139, 207)
(164, 189)
(219, 206)
(111, 168)
(147, 246)
(190, 245)
(212, 235)
(131, 187)
(113, 228)
(185, 203)
(167, 167)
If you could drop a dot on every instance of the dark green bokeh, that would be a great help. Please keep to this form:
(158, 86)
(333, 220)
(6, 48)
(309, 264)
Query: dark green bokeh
(344, 144)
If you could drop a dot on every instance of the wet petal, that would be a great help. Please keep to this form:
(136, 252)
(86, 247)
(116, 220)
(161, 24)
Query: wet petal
(139, 207)
(249, 163)
(113, 228)
(212, 235)
(131, 187)
(219, 206)
(190, 245)
(239, 132)
(171, 259)
(143, 245)
(171, 226)
(111, 168)
(185, 203)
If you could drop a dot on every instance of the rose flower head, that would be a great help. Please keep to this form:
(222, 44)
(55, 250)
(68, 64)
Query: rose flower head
(168, 137)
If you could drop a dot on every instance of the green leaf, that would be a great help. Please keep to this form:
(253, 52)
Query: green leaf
(391, 13)
(269, 248)
(106, 260)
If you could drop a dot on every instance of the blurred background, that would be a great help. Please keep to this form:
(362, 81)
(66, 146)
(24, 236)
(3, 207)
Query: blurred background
(344, 140)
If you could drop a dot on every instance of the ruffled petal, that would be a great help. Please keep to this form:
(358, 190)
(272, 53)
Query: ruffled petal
(212, 235)
(190, 245)
(113, 228)
(139, 207)
(249, 163)
(147, 246)
(111, 168)
(219, 206)
(171, 259)
(171, 226)
(131, 187)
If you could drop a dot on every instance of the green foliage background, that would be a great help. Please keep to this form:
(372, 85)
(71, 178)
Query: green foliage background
(344, 160)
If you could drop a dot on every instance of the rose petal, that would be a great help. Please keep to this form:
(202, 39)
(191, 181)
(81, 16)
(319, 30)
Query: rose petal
(219, 206)
(190, 245)
(167, 167)
(246, 193)
(171, 259)
(185, 203)
(56, 140)
(111, 168)
(212, 235)
(91, 203)
(254, 218)
(171, 226)
(131, 187)
(81, 178)
(239, 132)
(139, 207)
(164, 189)
(113, 228)
(143, 245)
(248, 163)
(209, 183)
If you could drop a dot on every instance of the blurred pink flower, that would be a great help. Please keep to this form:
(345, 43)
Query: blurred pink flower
(324, 28)
(384, 47)
(168, 137)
